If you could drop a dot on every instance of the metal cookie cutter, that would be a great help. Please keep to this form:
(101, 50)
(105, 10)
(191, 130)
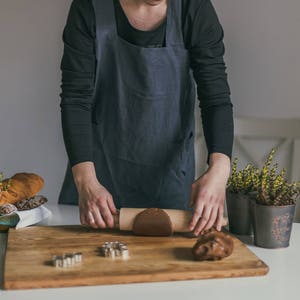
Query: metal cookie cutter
(115, 249)
(67, 259)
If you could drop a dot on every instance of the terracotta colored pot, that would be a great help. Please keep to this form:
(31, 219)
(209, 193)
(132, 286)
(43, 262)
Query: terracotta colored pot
(272, 225)
(238, 209)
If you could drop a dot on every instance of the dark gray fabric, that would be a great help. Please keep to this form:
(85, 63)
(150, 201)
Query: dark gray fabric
(143, 128)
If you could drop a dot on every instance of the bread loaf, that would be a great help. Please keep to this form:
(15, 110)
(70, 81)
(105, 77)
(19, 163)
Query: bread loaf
(22, 186)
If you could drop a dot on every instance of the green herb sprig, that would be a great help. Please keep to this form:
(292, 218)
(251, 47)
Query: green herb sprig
(4, 187)
(269, 186)
(273, 187)
(244, 180)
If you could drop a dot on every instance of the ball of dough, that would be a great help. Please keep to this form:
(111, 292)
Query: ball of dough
(213, 245)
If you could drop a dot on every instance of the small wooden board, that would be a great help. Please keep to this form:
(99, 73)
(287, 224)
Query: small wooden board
(152, 259)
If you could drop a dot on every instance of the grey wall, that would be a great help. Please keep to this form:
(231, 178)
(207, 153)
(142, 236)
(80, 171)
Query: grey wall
(30, 51)
(262, 52)
(262, 48)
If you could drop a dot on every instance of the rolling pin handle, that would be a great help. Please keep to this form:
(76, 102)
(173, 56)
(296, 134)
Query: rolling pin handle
(116, 221)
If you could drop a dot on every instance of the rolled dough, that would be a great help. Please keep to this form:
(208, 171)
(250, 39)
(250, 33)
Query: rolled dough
(213, 245)
(152, 222)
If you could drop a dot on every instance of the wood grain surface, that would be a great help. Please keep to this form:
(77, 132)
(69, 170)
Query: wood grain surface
(152, 259)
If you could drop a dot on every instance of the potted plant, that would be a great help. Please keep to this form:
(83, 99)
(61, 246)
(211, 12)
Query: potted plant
(240, 187)
(273, 206)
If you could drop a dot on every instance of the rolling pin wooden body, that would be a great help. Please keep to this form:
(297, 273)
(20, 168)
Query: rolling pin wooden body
(180, 219)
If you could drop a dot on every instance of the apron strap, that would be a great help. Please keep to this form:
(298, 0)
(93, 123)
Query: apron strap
(105, 21)
(105, 15)
(174, 34)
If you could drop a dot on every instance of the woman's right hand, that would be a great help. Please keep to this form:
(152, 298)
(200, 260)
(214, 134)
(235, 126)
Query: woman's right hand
(96, 204)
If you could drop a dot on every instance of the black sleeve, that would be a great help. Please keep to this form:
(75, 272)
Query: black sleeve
(205, 43)
(78, 66)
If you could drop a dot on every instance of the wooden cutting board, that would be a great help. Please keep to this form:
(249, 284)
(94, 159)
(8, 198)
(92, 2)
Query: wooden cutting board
(29, 252)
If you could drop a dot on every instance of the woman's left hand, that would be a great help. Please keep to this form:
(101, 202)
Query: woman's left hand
(208, 195)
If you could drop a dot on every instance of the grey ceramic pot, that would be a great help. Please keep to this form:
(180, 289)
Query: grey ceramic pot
(272, 225)
(238, 210)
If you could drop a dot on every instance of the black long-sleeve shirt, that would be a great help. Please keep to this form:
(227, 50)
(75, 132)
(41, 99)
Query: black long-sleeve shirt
(203, 37)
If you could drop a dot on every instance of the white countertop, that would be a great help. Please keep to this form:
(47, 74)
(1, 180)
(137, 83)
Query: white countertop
(282, 281)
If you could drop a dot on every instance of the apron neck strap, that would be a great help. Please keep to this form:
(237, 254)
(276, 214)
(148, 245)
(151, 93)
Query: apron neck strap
(106, 20)
(174, 23)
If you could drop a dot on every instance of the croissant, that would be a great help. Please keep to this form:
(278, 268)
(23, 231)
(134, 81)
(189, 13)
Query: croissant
(22, 186)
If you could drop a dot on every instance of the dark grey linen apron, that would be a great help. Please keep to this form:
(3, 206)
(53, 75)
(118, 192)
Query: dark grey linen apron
(143, 117)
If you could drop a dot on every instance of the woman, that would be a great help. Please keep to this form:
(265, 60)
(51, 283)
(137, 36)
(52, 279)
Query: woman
(129, 70)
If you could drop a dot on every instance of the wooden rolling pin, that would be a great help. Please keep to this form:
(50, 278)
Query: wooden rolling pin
(180, 219)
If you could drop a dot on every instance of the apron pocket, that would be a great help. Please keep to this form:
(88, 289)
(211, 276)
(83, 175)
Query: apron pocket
(179, 175)
(179, 152)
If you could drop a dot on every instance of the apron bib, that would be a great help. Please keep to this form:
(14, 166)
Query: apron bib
(143, 117)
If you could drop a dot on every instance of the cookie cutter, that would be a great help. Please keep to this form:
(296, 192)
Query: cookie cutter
(67, 259)
(115, 249)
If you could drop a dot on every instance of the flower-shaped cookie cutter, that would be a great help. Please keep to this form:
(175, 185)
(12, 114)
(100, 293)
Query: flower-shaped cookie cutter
(114, 249)
(67, 259)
